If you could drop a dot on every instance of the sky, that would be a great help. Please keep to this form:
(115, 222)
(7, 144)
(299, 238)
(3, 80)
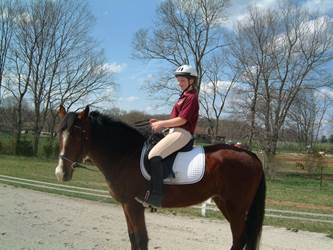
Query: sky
(114, 29)
(115, 26)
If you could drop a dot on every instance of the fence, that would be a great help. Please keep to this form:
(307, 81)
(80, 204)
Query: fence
(206, 206)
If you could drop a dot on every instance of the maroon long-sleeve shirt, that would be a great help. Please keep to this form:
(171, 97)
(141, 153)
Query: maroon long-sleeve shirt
(187, 107)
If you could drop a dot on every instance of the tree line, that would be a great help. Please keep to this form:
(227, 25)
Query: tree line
(269, 73)
(47, 58)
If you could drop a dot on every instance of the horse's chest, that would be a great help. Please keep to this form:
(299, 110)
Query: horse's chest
(119, 191)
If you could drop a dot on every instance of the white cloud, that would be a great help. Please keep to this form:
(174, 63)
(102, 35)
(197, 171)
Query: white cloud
(129, 99)
(323, 6)
(114, 67)
(10, 78)
(238, 10)
(265, 4)
(310, 28)
(4, 15)
(23, 17)
(221, 86)
(325, 92)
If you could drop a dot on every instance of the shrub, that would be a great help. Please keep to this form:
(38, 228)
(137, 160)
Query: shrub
(25, 148)
(48, 150)
(56, 150)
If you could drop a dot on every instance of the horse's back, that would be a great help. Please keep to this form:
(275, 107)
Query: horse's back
(225, 157)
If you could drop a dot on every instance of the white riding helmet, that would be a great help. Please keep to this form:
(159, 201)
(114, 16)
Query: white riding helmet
(186, 70)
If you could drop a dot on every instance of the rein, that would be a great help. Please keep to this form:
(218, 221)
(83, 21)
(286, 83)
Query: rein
(76, 164)
(141, 123)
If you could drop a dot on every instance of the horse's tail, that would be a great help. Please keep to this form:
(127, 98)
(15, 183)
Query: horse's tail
(255, 217)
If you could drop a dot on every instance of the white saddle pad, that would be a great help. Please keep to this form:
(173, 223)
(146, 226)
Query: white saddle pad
(189, 167)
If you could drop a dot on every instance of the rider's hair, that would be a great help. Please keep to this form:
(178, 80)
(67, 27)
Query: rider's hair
(195, 82)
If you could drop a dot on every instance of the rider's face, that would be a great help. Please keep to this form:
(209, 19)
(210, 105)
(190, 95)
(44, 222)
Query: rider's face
(183, 82)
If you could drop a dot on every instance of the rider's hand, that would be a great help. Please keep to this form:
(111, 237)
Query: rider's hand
(156, 126)
(152, 120)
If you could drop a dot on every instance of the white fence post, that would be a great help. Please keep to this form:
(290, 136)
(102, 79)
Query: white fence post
(203, 208)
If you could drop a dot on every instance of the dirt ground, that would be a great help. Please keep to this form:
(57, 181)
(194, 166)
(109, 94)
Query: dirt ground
(36, 220)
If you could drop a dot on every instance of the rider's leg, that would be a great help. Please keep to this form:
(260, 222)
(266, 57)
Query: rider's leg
(168, 145)
(156, 192)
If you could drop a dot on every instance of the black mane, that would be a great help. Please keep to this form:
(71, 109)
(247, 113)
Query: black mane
(114, 134)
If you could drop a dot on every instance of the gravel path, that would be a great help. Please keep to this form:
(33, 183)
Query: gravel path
(36, 220)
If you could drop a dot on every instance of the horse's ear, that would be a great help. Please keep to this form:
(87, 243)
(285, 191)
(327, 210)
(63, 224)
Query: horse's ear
(62, 112)
(84, 114)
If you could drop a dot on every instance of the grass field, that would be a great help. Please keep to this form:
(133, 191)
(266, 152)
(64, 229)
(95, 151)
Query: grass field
(291, 190)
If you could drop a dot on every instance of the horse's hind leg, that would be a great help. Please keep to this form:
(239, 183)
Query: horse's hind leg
(221, 205)
(238, 225)
(137, 230)
(237, 220)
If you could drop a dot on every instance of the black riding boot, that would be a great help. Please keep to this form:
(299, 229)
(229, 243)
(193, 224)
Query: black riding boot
(156, 193)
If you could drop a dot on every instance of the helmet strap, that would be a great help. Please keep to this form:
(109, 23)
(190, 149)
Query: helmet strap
(187, 88)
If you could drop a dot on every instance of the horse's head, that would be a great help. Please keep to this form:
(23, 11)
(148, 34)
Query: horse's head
(74, 132)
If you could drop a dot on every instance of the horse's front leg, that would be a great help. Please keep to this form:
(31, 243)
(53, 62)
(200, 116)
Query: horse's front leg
(137, 231)
(130, 230)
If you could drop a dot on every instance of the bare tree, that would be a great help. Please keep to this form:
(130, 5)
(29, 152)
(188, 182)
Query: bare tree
(215, 91)
(296, 46)
(7, 15)
(81, 81)
(55, 58)
(186, 32)
(307, 114)
(20, 61)
(248, 46)
(17, 86)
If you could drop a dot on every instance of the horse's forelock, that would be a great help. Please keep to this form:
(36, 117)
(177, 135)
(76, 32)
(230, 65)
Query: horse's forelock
(67, 122)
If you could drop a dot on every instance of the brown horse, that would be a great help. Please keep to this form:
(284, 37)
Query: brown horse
(233, 177)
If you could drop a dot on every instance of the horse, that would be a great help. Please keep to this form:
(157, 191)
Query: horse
(233, 177)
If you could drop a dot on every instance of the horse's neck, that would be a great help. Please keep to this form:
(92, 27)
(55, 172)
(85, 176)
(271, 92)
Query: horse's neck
(109, 158)
(117, 168)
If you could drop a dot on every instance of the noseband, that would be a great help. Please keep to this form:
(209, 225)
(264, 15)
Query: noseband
(75, 163)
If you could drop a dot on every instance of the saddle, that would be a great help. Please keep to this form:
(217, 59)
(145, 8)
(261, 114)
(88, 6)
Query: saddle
(168, 161)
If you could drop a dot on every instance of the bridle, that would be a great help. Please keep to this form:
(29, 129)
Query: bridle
(76, 163)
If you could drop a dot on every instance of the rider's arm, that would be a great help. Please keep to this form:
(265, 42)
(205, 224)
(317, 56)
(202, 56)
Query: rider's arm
(173, 122)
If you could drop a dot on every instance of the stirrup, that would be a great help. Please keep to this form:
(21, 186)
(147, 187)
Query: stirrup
(144, 200)
(150, 203)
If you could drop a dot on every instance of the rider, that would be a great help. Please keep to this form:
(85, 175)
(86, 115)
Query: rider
(182, 122)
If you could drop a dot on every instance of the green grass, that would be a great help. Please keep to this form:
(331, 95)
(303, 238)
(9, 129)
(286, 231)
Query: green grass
(298, 192)
(299, 225)
(294, 147)
(43, 170)
(299, 188)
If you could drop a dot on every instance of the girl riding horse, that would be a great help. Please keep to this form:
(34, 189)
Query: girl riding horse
(184, 117)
